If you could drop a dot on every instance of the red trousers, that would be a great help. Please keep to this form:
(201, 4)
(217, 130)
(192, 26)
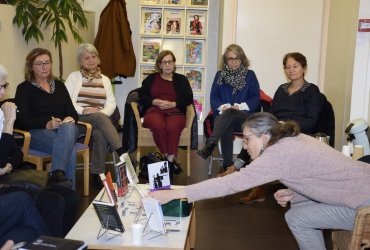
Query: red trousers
(166, 129)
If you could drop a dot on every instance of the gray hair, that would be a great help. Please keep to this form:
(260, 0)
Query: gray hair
(265, 123)
(3, 73)
(86, 48)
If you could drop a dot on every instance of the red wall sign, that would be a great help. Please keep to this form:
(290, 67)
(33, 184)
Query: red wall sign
(364, 25)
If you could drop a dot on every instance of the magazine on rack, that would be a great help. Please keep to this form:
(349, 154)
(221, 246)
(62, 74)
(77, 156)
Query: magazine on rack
(195, 78)
(150, 49)
(173, 2)
(194, 51)
(200, 3)
(196, 23)
(151, 21)
(173, 22)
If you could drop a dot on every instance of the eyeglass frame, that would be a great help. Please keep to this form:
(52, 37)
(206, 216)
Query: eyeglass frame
(4, 86)
(41, 64)
(170, 62)
(246, 137)
(233, 59)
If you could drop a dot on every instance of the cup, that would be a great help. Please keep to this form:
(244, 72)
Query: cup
(137, 233)
(358, 152)
(346, 150)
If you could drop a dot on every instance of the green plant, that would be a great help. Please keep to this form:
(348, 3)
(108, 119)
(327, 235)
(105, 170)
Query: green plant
(36, 15)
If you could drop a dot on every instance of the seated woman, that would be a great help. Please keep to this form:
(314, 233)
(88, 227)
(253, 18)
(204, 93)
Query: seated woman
(325, 187)
(56, 204)
(235, 95)
(93, 98)
(165, 96)
(297, 100)
(46, 110)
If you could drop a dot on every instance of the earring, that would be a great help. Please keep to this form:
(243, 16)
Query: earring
(262, 149)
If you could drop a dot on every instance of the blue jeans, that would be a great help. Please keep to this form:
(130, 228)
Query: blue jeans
(59, 143)
(19, 218)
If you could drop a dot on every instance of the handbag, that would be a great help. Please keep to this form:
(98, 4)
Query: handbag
(26, 178)
(152, 157)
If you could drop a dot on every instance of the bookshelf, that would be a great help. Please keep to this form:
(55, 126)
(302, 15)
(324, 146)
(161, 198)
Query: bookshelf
(182, 27)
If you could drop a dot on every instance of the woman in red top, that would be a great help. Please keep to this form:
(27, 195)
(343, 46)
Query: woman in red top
(165, 96)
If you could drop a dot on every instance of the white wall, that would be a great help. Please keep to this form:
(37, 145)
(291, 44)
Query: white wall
(268, 29)
(361, 72)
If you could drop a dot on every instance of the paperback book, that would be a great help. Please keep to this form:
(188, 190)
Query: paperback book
(150, 50)
(121, 179)
(195, 78)
(196, 23)
(159, 176)
(173, 20)
(109, 187)
(154, 214)
(194, 51)
(53, 243)
(151, 21)
(108, 216)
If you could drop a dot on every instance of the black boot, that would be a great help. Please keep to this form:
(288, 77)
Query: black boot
(175, 168)
(207, 150)
(57, 177)
(97, 181)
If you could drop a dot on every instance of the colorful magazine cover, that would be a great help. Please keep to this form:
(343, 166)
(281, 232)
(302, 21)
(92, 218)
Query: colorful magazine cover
(198, 104)
(199, 3)
(151, 20)
(151, 2)
(173, 22)
(195, 78)
(196, 23)
(194, 52)
(173, 2)
(150, 49)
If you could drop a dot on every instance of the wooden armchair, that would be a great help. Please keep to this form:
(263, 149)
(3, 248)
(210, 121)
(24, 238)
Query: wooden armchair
(145, 137)
(357, 239)
(39, 158)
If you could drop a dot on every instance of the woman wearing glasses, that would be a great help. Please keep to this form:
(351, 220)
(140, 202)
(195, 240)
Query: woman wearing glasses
(46, 110)
(235, 94)
(165, 95)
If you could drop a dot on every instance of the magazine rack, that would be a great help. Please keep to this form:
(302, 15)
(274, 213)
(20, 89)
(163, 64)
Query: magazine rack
(182, 27)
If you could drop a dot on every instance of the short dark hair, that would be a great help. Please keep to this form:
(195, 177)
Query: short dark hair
(301, 59)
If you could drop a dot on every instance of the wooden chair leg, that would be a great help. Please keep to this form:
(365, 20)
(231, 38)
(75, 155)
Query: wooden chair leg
(188, 160)
(86, 157)
(138, 159)
(39, 164)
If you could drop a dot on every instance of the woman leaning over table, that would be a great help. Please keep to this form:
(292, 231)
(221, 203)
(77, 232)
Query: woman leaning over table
(325, 188)
(46, 110)
(235, 95)
(93, 98)
(165, 96)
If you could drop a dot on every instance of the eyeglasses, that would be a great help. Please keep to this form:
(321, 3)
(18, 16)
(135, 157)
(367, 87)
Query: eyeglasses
(246, 137)
(233, 59)
(4, 86)
(40, 64)
(170, 62)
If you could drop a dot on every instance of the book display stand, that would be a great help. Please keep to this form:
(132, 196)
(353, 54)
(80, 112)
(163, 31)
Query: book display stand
(105, 231)
(182, 27)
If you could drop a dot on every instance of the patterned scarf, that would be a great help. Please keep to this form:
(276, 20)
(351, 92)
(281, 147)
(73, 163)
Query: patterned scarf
(234, 78)
(52, 86)
(90, 75)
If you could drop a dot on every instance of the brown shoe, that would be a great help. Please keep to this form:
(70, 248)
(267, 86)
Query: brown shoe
(257, 194)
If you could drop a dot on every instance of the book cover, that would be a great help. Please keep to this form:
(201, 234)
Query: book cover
(121, 179)
(151, 2)
(109, 187)
(48, 243)
(198, 104)
(130, 171)
(173, 20)
(194, 51)
(199, 3)
(159, 175)
(154, 214)
(196, 23)
(150, 50)
(108, 216)
(195, 78)
(173, 2)
(151, 21)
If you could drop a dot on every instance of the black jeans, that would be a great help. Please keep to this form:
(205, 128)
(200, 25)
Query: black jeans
(226, 124)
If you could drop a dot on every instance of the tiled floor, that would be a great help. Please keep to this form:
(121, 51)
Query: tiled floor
(223, 223)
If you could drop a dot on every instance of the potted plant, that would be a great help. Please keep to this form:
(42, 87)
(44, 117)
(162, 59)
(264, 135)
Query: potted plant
(35, 15)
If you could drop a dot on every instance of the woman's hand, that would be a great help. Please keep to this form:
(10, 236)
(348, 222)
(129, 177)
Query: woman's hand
(165, 196)
(9, 110)
(163, 104)
(8, 245)
(90, 110)
(7, 169)
(68, 119)
(283, 196)
(229, 170)
(54, 123)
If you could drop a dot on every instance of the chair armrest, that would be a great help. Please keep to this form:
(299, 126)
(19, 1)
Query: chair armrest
(137, 114)
(190, 114)
(27, 140)
(88, 131)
